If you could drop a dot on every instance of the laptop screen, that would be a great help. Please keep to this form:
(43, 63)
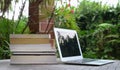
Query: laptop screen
(68, 43)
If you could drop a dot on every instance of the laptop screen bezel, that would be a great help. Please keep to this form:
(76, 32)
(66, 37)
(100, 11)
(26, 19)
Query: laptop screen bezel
(58, 46)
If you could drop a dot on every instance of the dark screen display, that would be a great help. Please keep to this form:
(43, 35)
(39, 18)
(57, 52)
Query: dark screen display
(68, 44)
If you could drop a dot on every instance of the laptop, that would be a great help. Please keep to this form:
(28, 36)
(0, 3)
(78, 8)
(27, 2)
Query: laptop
(69, 48)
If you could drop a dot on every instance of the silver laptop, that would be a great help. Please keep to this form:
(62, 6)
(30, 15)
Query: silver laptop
(69, 48)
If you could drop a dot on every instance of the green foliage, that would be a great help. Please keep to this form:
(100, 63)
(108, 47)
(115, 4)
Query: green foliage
(8, 27)
(106, 39)
(22, 24)
(65, 18)
(100, 29)
(5, 30)
(89, 13)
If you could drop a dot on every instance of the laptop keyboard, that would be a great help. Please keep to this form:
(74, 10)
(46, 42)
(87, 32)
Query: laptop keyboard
(83, 60)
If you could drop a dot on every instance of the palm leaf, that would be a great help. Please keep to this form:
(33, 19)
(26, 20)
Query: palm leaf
(112, 37)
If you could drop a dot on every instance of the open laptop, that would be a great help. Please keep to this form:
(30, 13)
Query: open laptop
(69, 48)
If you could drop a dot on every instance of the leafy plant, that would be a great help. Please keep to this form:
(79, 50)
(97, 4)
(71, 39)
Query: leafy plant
(100, 33)
(65, 17)
(99, 25)
(7, 27)
(5, 30)
(20, 27)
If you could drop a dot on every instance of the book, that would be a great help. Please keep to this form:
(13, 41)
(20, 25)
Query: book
(33, 59)
(31, 48)
(29, 41)
(34, 53)
(29, 38)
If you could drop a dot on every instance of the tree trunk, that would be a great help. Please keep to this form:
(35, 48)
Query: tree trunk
(33, 22)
